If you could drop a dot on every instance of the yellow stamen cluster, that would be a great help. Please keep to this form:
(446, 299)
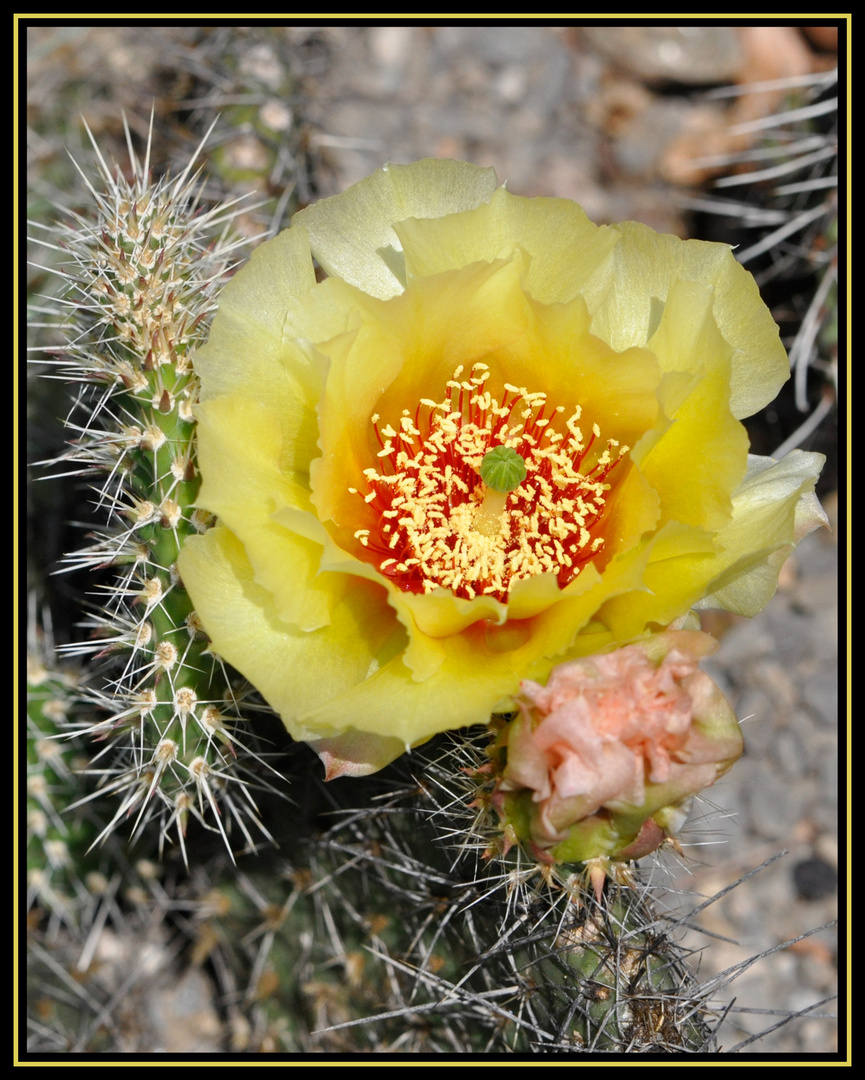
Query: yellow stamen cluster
(439, 525)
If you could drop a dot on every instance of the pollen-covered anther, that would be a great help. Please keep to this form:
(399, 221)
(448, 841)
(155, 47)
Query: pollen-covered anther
(473, 495)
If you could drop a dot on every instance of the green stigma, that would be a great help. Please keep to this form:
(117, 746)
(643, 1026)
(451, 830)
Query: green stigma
(503, 469)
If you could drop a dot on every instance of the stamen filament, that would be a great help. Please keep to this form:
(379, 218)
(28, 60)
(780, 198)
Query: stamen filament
(465, 499)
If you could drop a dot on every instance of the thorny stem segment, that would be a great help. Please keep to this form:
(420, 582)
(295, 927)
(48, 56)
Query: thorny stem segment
(142, 285)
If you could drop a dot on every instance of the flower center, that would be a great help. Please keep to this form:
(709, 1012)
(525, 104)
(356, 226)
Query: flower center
(441, 525)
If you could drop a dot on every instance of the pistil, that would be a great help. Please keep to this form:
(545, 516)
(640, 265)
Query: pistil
(502, 470)
(488, 518)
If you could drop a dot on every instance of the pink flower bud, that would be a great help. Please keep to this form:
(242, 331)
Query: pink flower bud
(601, 759)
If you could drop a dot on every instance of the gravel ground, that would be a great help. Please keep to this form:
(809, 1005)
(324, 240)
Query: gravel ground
(779, 671)
(608, 117)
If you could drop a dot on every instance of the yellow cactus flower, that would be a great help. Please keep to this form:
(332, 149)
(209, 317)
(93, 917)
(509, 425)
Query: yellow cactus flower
(362, 574)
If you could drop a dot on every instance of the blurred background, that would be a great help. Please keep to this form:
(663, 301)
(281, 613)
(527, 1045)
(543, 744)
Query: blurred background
(723, 133)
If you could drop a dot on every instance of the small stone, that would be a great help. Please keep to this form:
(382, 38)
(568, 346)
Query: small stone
(814, 878)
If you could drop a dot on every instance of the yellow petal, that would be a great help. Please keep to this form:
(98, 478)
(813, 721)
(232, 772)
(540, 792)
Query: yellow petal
(627, 304)
(701, 457)
(618, 391)
(296, 671)
(356, 753)
(352, 234)
(248, 460)
(772, 510)
(674, 566)
(240, 447)
(459, 680)
(660, 343)
(565, 249)
(247, 351)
